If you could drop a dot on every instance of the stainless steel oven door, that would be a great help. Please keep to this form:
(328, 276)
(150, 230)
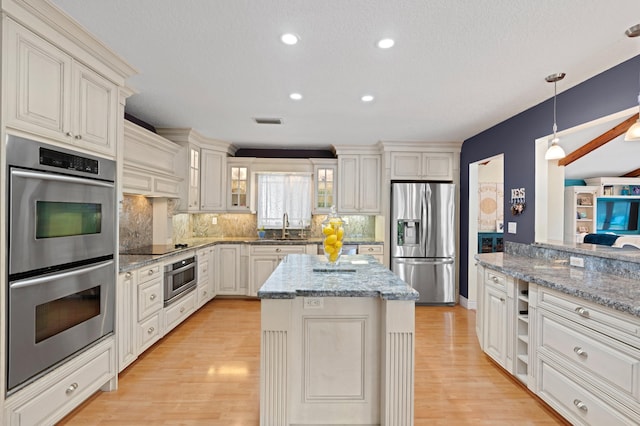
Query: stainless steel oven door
(55, 315)
(56, 219)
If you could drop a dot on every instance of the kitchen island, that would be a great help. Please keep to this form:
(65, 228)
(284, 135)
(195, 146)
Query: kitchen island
(337, 343)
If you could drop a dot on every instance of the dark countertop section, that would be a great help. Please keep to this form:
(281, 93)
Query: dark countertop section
(129, 262)
(304, 275)
(619, 293)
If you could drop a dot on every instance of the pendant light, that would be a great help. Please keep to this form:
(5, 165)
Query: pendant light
(633, 134)
(555, 151)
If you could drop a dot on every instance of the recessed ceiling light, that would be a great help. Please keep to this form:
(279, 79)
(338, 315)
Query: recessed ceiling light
(295, 96)
(367, 98)
(386, 43)
(289, 39)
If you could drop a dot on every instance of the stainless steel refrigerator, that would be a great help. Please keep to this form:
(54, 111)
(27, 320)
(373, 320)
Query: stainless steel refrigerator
(423, 239)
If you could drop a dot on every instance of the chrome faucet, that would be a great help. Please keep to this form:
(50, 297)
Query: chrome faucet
(285, 224)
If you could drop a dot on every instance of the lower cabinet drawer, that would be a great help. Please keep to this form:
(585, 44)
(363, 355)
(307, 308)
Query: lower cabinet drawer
(179, 310)
(66, 388)
(593, 353)
(577, 404)
(149, 332)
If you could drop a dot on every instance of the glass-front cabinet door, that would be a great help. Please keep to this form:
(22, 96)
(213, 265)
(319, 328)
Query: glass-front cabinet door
(325, 182)
(239, 182)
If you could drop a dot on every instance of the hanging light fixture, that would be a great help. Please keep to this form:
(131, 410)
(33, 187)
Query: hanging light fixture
(633, 134)
(555, 151)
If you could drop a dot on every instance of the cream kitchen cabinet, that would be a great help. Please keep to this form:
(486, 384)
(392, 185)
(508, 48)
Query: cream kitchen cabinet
(55, 96)
(203, 170)
(150, 301)
(325, 177)
(228, 274)
(150, 163)
(495, 327)
(179, 310)
(238, 185)
(264, 259)
(433, 166)
(588, 360)
(206, 284)
(127, 313)
(49, 399)
(375, 250)
(359, 183)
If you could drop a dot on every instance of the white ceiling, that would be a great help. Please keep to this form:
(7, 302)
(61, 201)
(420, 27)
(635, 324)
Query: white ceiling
(458, 67)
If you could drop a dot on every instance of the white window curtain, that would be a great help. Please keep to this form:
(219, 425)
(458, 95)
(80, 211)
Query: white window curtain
(280, 193)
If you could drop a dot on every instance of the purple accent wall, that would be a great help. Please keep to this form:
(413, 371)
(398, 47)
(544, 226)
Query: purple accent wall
(609, 92)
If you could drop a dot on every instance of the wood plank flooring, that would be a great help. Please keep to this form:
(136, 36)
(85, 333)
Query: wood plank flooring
(206, 372)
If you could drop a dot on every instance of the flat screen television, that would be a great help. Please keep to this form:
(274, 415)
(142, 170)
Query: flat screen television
(618, 215)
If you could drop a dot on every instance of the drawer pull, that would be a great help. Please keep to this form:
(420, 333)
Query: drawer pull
(150, 272)
(582, 312)
(495, 279)
(370, 249)
(128, 275)
(152, 297)
(71, 388)
(69, 134)
(502, 299)
(78, 137)
(182, 309)
(151, 330)
(580, 352)
(580, 405)
(278, 250)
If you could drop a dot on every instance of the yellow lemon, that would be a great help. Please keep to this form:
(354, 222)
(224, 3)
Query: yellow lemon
(330, 240)
(333, 257)
(328, 230)
(338, 245)
(340, 233)
(329, 249)
(335, 222)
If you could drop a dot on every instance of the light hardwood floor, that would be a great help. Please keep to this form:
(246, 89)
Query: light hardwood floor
(206, 372)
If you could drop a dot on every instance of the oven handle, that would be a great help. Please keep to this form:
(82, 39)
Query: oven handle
(180, 269)
(60, 178)
(68, 274)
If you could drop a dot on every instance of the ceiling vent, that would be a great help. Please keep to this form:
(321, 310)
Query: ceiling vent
(268, 120)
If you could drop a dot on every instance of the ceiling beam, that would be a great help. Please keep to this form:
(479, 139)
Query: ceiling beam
(634, 173)
(596, 143)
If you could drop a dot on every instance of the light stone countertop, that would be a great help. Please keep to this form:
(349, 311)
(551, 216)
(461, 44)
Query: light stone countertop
(619, 293)
(304, 275)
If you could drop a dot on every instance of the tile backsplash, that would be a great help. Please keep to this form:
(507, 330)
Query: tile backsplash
(136, 224)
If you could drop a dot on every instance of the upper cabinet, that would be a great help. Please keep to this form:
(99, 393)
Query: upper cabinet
(359, 186)
(432, 166)
(325, 183)
(150, 163)
(203, 169)
(238, 184)
(53, 95)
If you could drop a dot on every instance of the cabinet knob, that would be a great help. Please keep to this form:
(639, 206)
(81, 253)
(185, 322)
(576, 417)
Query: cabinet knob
(151, 330)
(150, 272)
(78, 137)
(69, 134)
(128, 275)
(494, 279)
(502, 299)
(182, 310)
(278, 250)
(370, 249)
(72, 387)
(152, 297)
(580, 352)
(582, 312)
(580, 405)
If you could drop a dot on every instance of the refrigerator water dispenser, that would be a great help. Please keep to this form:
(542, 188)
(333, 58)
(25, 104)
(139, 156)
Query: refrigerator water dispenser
(408, 232)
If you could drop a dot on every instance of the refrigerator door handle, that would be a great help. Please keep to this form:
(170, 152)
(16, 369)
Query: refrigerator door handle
(425, 226)
(424, 261)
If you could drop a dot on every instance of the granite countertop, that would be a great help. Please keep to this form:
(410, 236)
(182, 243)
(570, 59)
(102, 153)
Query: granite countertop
(622, 294)
(628, 254)
(129, 262)
(304, 275)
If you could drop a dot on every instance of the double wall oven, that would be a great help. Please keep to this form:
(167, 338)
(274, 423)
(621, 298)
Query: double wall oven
(62, 238)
